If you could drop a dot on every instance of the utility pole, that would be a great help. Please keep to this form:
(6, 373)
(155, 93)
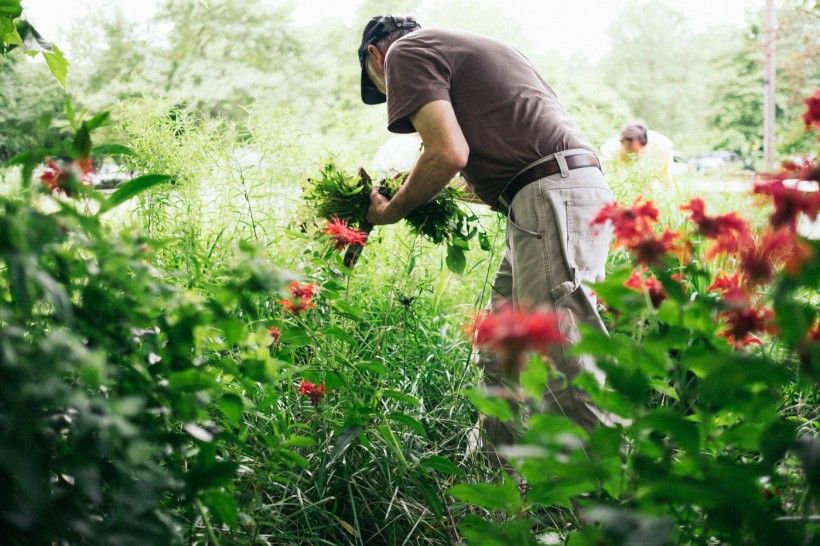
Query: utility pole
(770, 35)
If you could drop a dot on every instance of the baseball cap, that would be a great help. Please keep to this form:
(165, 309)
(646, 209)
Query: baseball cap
(376, 30)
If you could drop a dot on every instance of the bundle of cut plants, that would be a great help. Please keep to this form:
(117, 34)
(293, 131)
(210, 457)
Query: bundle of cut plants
(337, 195)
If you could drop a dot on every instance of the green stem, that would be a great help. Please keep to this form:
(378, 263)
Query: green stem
(207, 522)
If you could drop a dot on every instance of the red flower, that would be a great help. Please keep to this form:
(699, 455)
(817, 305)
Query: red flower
(729, 231)
(789, 202)
(790, 170)
(651, 249)
(53, 176)
(744, 320)
(86, 166)
(759, 261)
(730, 286)
(631, 223)
(812, 114)
(650, 284)
(343, 235)
(312, 391)
(814, 332)
(301, 298)
(714, 226)
(303, 291)
(275, 334)
(512, 332)
(632, 228)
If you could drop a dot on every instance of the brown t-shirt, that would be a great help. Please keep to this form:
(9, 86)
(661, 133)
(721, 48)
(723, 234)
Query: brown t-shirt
(510, 117)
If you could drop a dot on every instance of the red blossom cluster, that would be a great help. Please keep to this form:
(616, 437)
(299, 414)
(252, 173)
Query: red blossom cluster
(633, 230)
(301, 298)
(512, 332)
(789, 202)
(640, 282)
(312, 391)
(56, 177)
(730, 286)
(275, 334)
(729, 231)
(811, 117)
(344, 236)
(742, 316)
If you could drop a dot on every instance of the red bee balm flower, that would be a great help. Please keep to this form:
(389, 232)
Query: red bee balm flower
(729, 231)
(275, 334)
(632, 228)
(511, 333)
(343, 235)
(788, 203)
(653, 287)
(301, 298)
(730, 286)
(631, 223)
(651, 249)
(775, 248)
(812, 114)
(744, 321)
(714, 226)
(312, 391)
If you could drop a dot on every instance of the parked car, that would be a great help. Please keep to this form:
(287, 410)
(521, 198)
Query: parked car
(711, 161)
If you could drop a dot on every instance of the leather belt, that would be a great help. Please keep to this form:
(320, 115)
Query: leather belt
(541, 169)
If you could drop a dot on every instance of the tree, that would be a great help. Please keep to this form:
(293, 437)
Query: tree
(29, 98)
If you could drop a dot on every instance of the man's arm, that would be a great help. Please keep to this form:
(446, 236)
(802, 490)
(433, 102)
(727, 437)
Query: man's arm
(445, 153)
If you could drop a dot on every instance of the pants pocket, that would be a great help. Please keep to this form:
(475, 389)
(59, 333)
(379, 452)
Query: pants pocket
(587, 245)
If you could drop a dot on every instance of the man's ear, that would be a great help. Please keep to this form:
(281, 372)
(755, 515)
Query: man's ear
(378, 58)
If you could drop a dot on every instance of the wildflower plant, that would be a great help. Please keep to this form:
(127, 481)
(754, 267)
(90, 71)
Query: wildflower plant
(707, 324)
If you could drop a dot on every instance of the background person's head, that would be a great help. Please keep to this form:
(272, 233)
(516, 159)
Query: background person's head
(634, 137)
(378, 35)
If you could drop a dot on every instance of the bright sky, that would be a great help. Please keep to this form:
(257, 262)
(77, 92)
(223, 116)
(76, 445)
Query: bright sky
(568, 27)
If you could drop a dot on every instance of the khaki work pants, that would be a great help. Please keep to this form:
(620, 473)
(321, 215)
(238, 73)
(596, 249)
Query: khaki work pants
(552, 250)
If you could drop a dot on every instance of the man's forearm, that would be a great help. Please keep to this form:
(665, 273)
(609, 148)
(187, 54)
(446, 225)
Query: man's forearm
(430, 175)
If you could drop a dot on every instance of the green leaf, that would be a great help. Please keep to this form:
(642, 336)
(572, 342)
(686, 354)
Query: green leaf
(399, 396)
(373, 367)
(534, 377)
(296, 337)
(441, 464)
(494, 407)
(666, 421)
(10, 9)
(559, 493)
(341, 335)
(492, 497)
(408, 421)
(111, 149)
(480, 532)
(97, 121)
(82, 141)
(231, 405)
(191, 380)
(343, 441)
(432, 497)
(58, 64)
(222, 505)
(484, 241)
(300, 441)
(456, 261)
(132, 188)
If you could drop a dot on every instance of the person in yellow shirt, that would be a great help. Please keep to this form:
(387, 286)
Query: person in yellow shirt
(640, 150)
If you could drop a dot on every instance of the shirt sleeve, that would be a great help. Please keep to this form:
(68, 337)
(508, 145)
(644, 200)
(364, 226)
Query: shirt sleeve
(416, 74)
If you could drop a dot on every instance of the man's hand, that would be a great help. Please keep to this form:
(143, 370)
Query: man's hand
(377, 214)
(445, 153)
